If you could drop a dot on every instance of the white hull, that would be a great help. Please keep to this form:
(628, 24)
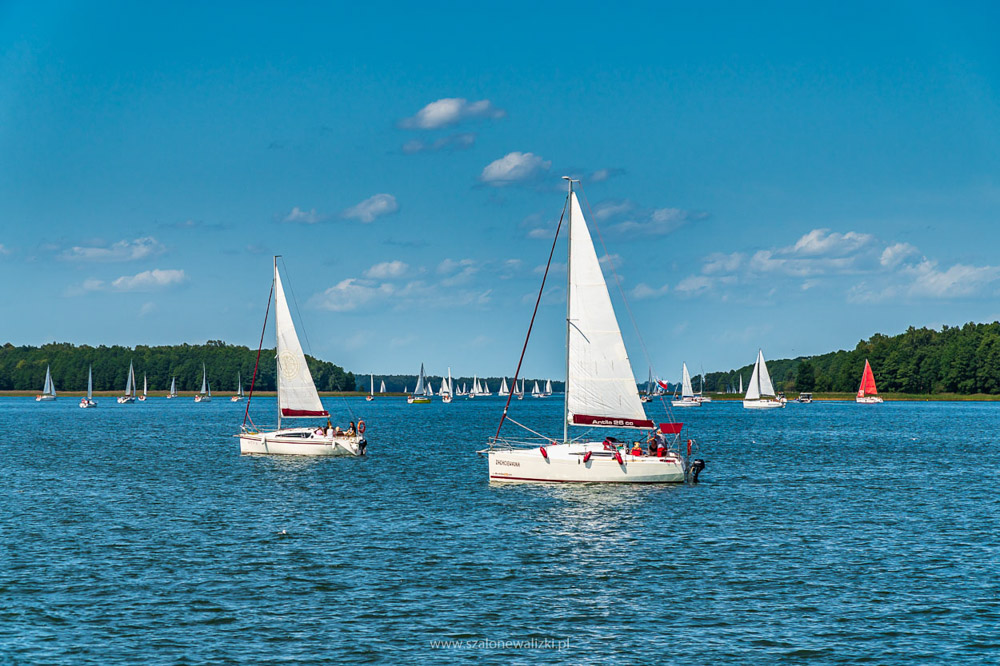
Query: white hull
(44, 398)
(565, 464)
(203, 398)
(418, 401)
(869, 400)
(446, 399)
(300, 442)
(763, 403)
(686, 402)
(142, 398)
(171, 396)
(86, 404)
(369, 398)
(703, 398)
(125, 400)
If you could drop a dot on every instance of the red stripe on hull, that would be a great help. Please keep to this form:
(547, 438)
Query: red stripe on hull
(524, 478)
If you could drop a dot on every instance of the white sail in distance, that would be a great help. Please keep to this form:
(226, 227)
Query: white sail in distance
(687, 391)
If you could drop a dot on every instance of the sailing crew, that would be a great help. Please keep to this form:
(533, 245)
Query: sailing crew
(351, 429)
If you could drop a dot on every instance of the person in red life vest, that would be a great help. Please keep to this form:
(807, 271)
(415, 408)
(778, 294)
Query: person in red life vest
(636, 449)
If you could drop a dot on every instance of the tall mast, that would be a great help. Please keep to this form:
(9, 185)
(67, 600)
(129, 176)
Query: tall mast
(569, 273)
(277, 374)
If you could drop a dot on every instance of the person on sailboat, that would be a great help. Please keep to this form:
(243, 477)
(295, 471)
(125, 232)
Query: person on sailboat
(351, 429)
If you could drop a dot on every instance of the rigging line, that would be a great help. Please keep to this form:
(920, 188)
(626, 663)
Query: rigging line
(618, 283)
(246, 413)
(533, 432)
(538, 300)
(298, 314)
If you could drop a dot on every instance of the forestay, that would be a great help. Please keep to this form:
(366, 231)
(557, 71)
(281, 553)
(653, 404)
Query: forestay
(601, 389)
(297, 396)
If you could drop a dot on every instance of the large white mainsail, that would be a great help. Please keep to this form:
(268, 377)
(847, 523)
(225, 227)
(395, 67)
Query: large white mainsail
(687, 391)
(129, 389)
(173, 386)
(419, 388)
(204, 380)
(381, 388)
(600, 386)
(297, 395)
(90, 383)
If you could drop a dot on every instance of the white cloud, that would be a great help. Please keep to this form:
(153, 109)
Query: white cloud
(541, 232)
(658, 222)
(513, 168)
(451, 111)
(451, 265)
(350, 294)
(462, 141)
(722, 263)
(823, 242)
(372, 207)
(694, 284)
(894, 255)
(959, 280)
(148, 280)
(644, 291)
(609, 261)
(123, 250)
(609, 209)
(605, 174)
(387, 269)
(299, 216)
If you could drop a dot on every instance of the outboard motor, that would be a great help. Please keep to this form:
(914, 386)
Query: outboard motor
(362, 445)
(694, 469)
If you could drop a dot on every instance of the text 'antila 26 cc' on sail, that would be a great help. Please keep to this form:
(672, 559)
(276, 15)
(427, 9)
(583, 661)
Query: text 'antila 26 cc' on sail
(297, 399)
(600, 392)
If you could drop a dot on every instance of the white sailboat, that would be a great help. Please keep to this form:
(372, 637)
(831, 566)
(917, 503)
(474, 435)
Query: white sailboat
(446, 391)
(49, 389)
(535, 393)
(142, 398)
(484, 388)
(760, 394)
(600, 391)
(239, 389)
(503, 388)
(129, 396)
(297, 398)
(520, 391)
(548, 388)
(89, 400)
(205, 395)
(688, 398)
(428, 389)
(371, 389)
(700, 395)
(419, 395)
(741, 384)
(381, 388)
(474, 391)
(173, 388)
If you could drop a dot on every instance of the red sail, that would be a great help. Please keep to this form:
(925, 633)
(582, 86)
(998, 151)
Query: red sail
(867, 382)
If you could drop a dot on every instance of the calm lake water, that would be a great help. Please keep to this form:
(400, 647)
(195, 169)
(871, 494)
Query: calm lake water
(820, 533)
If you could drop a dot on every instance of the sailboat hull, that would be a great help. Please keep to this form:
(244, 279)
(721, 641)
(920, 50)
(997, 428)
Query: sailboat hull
(762, 404)
(686, 402)
(564, 464)
(44, 398)
(869, 400)
(300, 442)
(87, 404)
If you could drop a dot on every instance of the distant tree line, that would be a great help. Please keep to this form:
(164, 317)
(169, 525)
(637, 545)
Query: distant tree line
(399, 383)
(23, 368)
(962, 359)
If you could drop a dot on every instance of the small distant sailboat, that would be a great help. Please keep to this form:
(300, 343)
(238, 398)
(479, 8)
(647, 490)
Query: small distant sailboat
(536, 393)
(741, 384)
(371, 389)
(503, 388)
(142, 398)
(89, 400)
(446, 391)
(129, 396)
(548, 388)
(205, 395)
(381, 388)
(297, 398)
(700, 395)
(648, 395)
(419, 395)
(485, 389)
(688, 398)
(49, 390)
(173, 388)
(519, 390)
(760, 394)
(239, 390)
(475, 390)
(867, 393)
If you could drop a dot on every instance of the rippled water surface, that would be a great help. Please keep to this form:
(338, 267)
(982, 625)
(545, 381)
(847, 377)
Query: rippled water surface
(828, 532)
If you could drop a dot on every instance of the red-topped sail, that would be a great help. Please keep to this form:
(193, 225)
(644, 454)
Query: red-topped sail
(867, 382)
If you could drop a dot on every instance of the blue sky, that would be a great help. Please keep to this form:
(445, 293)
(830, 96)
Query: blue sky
(764, 174)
